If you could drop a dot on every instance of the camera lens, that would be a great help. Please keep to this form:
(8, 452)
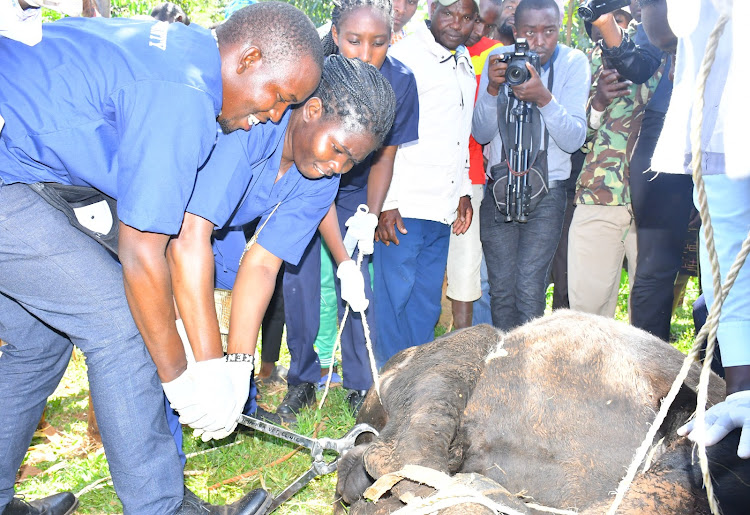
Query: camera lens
(515, 75)
(586, 13)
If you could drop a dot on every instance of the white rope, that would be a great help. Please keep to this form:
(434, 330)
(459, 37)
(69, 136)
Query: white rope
(104, 481)
(449, 491)
(368, 344)
(720, 292)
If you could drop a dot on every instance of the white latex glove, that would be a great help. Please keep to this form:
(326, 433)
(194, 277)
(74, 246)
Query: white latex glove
(361, 231)
(214, 393)
(239, 373)
(352, 285)
(183, 397)
(721, 419)
(69, 7)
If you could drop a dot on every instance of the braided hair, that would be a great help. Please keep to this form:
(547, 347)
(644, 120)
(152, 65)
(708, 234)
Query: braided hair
(343, 7)
(358, 94)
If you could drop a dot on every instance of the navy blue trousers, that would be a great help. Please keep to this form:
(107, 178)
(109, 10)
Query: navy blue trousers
(302, 312)
(409, 285)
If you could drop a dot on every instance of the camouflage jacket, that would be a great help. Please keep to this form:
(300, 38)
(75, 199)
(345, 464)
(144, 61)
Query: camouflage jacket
(604, 179)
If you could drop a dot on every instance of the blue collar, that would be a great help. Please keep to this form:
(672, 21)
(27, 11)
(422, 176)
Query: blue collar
(546, 66)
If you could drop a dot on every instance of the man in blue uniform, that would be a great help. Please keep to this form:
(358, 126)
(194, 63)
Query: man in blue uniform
(129, 108)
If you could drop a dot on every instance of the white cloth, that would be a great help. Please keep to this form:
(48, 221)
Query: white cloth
(15, 23)
(431, 174)
(26, 25)
(725, 112)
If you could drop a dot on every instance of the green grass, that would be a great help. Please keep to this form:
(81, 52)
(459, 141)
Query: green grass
(63, 458)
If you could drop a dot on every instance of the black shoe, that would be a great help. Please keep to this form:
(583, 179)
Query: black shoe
(297, 397)
(63, 503)
(267, 416)
(254, 503)
(355, 398)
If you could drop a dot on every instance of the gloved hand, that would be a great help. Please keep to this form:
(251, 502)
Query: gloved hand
(361, 231)
(721, 419)
(214, 392)
(352, 285)
(240, 368)
(183, 397)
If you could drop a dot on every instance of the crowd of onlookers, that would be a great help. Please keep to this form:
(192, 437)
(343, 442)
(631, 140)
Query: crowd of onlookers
(444, 216)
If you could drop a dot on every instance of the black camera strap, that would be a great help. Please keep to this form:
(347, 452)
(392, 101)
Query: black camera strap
(531, 138)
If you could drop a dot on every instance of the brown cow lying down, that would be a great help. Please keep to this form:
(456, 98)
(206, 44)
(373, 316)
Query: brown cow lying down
(552, 411)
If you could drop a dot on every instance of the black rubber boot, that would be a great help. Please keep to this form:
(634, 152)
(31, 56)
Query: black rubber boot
(63, 503)
(297, 397)
(355, 398)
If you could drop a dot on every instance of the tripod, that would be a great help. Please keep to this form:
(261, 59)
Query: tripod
(518, 189)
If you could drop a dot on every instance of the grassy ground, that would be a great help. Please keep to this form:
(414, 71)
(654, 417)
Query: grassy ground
(62, 457)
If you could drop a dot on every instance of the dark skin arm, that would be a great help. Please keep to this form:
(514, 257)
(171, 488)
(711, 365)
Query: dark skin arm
(388, 222)
(611, 32)
(609, 87)
(256, 280)
(533, 90)
(495, 75)
(379, 180)
(148, 289)
(191, 261)
(465, 213)
(329, 230)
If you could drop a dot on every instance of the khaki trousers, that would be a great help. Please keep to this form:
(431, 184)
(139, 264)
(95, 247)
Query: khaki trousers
(600, 237)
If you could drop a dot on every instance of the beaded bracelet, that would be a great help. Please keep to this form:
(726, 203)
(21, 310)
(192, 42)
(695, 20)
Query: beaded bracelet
(239, 357)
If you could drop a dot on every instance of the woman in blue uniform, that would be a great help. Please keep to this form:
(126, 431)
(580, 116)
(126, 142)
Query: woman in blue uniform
(346, 118)
(360, 29)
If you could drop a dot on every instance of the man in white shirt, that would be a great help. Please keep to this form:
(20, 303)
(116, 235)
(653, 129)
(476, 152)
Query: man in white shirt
(430, 190)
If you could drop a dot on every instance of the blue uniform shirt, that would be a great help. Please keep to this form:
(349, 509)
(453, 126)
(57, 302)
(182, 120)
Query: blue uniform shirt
(127, 107)
(353, 189)
(238, 185)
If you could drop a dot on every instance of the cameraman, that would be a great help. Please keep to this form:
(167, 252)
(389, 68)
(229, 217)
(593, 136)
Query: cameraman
(518, 255)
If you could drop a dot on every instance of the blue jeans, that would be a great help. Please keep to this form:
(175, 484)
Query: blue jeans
(59, 288)
(518, 258)
(662, 206)
(408, 286)
(482, 313)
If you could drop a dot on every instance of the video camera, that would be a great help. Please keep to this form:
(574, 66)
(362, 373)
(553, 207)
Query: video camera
(517, 73)
(592, 9)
